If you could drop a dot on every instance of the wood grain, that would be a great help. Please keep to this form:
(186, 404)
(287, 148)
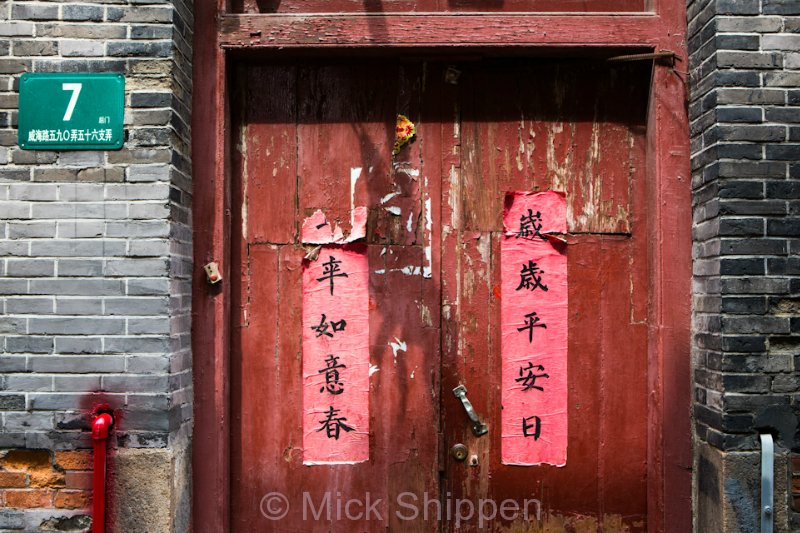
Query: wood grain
(395, 6)
(439, 30)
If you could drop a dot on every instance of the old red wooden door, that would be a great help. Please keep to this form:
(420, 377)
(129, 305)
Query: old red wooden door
(318, 136)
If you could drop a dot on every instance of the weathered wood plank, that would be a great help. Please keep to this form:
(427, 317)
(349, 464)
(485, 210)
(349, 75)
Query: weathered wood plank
(439, 30)
(399, 6)
(669, 232)
(268, 146)
(210, 305)
(546, 131)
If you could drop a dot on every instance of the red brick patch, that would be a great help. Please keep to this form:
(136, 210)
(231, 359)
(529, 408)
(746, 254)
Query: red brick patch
(29, 499)
(13, 480)
(72, 499)
(79, 480)
(77, 460)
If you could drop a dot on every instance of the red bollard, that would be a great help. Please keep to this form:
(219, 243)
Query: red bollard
(101, 427)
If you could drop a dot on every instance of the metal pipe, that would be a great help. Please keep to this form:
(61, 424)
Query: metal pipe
(767, 482)
(101, 427)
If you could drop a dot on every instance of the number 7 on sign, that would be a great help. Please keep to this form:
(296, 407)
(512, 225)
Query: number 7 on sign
(76, 90)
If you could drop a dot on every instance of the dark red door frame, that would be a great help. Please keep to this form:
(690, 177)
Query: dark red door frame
(217, 33)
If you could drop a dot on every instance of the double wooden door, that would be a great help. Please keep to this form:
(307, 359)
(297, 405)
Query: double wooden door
(319, 135)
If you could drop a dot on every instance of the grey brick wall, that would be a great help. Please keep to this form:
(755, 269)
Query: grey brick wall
(745, 131)
(95, 246)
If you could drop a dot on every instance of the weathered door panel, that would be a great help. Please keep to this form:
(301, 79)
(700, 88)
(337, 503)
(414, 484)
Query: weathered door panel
(557, 126)
(267, 153)
(576, 128)
(319, 137)
(345, 135)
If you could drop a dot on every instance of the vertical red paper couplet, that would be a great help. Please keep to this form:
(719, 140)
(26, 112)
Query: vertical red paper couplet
(336, 356)
(534, 330)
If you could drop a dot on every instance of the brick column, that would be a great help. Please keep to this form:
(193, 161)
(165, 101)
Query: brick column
(745, 127)
(95, 251)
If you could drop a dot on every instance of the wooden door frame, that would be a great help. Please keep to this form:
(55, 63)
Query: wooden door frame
(218, 33)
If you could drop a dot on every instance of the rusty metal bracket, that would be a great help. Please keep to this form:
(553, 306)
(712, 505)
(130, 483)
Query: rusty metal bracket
(667, 56)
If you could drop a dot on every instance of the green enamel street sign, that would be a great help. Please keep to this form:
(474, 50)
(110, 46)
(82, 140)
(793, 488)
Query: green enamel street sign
(71, 111)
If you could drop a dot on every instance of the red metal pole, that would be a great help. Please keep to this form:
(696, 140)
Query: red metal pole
(101, 425)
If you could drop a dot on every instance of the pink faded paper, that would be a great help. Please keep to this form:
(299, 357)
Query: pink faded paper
(548, 347)
(317, 230)
(349, 302)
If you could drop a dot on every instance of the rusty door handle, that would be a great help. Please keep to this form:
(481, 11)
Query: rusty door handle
(478, 427)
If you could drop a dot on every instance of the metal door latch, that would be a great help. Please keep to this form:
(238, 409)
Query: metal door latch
(478, 427)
